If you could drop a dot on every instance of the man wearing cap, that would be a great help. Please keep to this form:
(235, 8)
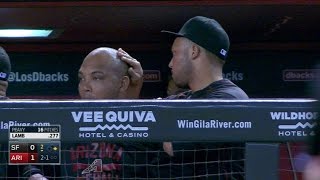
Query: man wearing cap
(199, 52)
(28, 171)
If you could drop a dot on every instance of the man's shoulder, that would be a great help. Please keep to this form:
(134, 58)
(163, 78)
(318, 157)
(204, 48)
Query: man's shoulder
(231, 93)
(226, 90)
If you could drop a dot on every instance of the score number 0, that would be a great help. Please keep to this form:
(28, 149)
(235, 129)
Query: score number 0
(32, 147)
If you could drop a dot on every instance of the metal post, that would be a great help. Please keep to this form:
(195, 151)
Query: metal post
(262, 161)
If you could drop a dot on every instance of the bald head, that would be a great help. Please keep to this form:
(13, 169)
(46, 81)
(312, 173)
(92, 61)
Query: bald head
(102, 74)
(109, 57)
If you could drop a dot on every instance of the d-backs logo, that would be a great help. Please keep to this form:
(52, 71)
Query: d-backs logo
(118, 123)
(96, 166)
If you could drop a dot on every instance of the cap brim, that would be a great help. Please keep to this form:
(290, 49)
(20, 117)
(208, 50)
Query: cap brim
(172, 33)
(170, 36)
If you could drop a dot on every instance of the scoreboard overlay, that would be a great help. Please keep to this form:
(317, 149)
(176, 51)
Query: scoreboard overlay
(34, 145)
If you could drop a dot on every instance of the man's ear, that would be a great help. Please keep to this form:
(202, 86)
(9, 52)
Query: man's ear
(125, 82)
(195, 51)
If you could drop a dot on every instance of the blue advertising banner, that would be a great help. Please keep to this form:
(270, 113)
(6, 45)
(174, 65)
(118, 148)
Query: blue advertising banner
(165, 120)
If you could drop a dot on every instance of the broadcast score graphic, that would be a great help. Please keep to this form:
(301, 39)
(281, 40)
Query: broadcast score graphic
(35, 145)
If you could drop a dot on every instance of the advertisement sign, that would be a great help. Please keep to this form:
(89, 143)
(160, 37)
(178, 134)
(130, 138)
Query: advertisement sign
(165, 120)
(44, 74)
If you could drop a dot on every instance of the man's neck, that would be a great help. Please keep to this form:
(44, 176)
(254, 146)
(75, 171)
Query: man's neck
(203, 78)
(201, 84)
(205, 71)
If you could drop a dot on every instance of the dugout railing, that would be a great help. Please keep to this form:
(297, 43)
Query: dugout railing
(261, 123)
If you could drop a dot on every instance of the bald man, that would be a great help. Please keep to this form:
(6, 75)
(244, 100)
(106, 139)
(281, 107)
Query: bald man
(104, 74)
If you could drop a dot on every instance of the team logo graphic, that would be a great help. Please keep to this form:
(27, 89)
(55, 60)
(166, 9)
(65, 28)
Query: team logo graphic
(96, 166)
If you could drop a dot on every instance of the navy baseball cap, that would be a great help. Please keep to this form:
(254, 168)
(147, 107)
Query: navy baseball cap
(5, 65)
(207, 33)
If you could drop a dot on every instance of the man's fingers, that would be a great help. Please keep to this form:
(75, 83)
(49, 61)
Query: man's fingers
(134, 75)
(127, 58)
(135, 70)
(122, 52)
(131, 61)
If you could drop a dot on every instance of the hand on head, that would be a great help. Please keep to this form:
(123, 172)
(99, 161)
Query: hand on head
(135, 72)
